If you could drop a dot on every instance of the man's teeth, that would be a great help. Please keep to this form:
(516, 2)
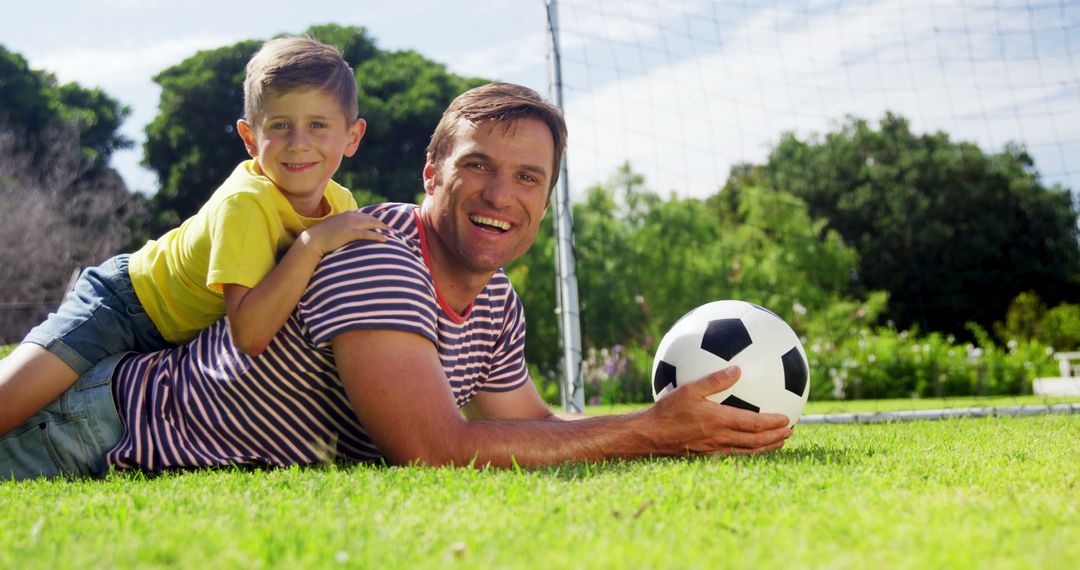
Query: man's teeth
(504, 226)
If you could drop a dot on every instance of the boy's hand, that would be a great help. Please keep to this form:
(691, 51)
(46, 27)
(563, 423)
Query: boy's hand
(340, 229)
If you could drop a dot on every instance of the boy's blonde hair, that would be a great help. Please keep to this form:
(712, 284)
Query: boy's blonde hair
(294, 63)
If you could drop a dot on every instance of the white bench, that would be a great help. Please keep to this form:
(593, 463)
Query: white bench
(1068, 384)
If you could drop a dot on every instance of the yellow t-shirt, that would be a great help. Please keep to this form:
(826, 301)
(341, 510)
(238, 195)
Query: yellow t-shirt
(236, 237)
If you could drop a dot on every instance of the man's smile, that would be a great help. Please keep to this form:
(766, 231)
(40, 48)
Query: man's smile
(490, 224)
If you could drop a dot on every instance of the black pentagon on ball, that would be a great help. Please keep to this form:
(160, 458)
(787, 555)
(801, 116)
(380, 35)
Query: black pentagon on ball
(725, 338)
(735, 402)
(665, 375)
(795, 373)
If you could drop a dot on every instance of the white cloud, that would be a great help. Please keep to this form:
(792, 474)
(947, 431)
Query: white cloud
(117, 68)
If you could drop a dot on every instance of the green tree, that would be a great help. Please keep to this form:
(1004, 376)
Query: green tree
(643, 261)
(950, 232)
(61, 205)
(192, 144)
(35, 108)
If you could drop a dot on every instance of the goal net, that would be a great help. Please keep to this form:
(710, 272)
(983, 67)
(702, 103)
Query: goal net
(684, 89)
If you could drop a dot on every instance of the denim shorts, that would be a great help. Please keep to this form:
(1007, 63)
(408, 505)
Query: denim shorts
(99, 317)
(72, 435)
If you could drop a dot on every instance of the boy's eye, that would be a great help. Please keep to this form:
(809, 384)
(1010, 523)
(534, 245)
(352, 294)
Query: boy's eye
(318, 125)
(279, 125)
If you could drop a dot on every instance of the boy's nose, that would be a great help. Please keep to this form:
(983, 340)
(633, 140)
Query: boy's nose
(298, 141)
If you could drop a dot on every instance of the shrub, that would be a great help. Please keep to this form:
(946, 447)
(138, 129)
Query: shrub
(885, 363)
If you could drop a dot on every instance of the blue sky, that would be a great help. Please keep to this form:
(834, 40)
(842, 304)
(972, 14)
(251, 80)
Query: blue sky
(680, 88)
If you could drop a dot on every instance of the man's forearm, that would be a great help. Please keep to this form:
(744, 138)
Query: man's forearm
(503, 443)
(688, 424)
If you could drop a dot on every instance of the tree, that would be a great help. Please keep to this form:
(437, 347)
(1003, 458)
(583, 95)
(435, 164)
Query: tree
(53, 221)
(33, 103)
(643, 261)
(62, 206)
(192, 144)
(953, 234)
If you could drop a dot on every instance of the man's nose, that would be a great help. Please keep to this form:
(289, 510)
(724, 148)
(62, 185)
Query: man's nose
(499, 189)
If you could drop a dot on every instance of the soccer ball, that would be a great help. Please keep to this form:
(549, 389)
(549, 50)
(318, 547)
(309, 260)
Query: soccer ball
(775, 375)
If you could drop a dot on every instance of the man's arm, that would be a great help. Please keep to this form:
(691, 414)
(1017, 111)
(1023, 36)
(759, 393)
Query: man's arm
(398, 388)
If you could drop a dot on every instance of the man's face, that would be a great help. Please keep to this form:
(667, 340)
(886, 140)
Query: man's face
(300, 138)
(487, 197)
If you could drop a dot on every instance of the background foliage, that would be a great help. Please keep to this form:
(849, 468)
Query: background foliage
(952, 233)
(61, 205)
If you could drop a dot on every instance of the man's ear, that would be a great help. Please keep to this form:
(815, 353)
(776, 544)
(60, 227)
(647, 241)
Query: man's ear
(430, 175)
(244, 130)
(356, 132)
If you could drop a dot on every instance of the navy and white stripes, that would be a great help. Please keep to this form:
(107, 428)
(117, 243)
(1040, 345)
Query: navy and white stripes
(205, 403)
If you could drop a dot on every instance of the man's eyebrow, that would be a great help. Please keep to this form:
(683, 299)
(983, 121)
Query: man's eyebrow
(479, 155)
(538, 170)
(475, 155)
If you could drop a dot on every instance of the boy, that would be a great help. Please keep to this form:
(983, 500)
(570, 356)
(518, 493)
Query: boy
(300, 120)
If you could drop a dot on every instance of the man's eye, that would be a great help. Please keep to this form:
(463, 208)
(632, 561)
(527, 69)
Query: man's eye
(476, 166)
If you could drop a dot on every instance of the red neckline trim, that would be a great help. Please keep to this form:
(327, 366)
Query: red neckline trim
(451, 313)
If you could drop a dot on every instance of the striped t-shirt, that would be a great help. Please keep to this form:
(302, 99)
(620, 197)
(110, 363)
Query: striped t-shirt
(205, 403)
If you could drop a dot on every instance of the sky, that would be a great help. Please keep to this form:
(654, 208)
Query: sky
(682, 89)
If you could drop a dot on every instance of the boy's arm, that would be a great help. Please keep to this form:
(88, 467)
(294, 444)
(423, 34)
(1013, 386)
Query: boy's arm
(256, 314)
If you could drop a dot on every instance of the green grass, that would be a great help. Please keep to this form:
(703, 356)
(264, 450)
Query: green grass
(852, 406)
(975, 493)
(981, 493)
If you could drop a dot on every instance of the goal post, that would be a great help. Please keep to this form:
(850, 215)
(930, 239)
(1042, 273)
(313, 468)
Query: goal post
(572, 392)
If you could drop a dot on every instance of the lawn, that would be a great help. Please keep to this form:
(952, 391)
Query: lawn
(974, 493)
(992, 492)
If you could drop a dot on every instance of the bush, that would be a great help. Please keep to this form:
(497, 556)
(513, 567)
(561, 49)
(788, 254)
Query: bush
(871, 363)
(885, 363)
(1028, 318)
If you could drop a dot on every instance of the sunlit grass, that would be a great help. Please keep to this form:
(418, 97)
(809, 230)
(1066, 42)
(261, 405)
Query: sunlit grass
(992, 492)
(856, 406)
(974, 493)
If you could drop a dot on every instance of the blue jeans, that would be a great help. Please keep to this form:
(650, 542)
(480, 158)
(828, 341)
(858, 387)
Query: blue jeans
(72, 435)
(101, 316)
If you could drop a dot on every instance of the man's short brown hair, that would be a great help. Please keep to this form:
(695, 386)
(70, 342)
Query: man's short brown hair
(290, 64)
(499, 102)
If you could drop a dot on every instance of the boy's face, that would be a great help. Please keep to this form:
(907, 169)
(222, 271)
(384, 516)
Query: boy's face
(300, 138)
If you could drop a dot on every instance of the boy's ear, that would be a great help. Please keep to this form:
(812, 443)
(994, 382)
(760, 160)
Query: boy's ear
(430, 175)
(244, 130)
(356, 132)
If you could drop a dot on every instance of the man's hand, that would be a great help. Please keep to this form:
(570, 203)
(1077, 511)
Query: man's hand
(340, 229)
(685, 421)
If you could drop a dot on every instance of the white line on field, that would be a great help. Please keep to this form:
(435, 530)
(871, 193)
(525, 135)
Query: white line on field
(917, 415)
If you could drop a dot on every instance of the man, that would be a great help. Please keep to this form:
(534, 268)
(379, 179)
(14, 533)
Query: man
(410, 350)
